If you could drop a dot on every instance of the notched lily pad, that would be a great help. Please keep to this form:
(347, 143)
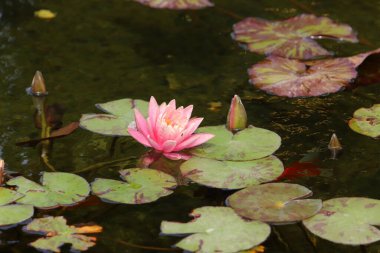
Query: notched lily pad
(248, 144)
(140, 186)
(347, 221)
(367, 121)
(58, 233)
(177, 4)
(230, 174)
(276, 203)
(115, 123)
(291, 38)
(57, 189)
(217, 229)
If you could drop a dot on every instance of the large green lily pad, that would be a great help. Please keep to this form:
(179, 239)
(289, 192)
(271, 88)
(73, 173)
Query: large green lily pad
(217, 229)
(12, 214)
(57, 233)
(367, 121)
(57, 189)
(120, 115)
(248, 144)
(140, 186)
(347, 221)
(230, 174)
(275, 203)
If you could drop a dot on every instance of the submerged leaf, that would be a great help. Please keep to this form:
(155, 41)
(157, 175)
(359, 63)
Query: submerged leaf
(347, 221)
(176, 4)
(217, 229)
(140, 186)
(275, 203)
(291, 38)
(58, 233)
(367, 121)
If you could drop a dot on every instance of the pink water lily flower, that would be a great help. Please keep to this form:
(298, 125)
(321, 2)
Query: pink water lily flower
(168, 129)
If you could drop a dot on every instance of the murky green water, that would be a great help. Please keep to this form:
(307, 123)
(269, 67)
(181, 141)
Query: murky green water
(97, 51)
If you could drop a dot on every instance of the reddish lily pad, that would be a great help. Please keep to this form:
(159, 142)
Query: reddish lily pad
(367, 121)
(248, 144)
(291, 38)
(276, 203)
(217, 229)
(177, 4)
(232, 175)
(121, 114)
(140, 186)
(349, 221)
(58, 233)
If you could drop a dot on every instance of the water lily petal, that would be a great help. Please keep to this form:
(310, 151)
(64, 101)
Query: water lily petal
(153, 111)
(141, 122)
(154, 144)
(190, 128)
(168, 146)
(187, 111)
(194, 140)
(139, 137)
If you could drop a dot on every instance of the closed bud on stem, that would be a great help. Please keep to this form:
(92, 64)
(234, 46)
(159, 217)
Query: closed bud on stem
(237, 116)
(38, 87)
(334, 146)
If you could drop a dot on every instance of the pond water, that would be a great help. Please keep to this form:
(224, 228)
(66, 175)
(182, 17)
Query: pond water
(97, 51)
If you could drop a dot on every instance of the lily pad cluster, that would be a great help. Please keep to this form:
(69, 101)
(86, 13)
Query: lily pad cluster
(13, 213)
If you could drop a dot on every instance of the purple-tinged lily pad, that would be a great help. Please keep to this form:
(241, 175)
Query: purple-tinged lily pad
(349, 221)
(121, 114)
(58, 233)
(140, 186)
(366, 121)
(217, 229)
(57, 189)
(277, 203)
(248, 144)
(177, 4)
(230, 174)
(291, 38)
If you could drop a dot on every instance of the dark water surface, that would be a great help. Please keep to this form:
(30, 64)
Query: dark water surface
(97, 51)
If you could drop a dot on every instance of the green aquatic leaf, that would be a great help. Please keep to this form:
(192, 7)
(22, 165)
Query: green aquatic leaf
(217, 229)
(230, 174)
(275, 203)
(140, 186)
(248, 144)
(8, 196)
(12, 214)
(367, 121)
(349, 221)
(57, 189)
(121, 114)
(58, 233)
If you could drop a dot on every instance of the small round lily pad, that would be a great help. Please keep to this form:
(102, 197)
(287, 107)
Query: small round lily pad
(367, 121)
(57, 189)
(217, 229)
(230, 174)
(140, 186)
(121, 114)
(248, 144)
(276, 203)
(349, 221)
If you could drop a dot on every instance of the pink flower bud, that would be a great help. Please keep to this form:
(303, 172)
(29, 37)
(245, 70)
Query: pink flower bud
(237, 116)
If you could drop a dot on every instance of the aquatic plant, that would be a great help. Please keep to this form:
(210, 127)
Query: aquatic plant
(13, 213)
(366, 121)
(177, 4)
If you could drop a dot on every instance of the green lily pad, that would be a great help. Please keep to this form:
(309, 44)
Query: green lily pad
(58, 233)
(230, 174)
(248, 144)
(275, 203)
(367, 121)
(57, 189)
(347, 221)
(217, 229)
(12, 214)
(140, 186)
(120, 115)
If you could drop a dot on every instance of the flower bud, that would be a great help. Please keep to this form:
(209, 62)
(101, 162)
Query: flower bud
(38, 87)
(334, 146)
(237, 116)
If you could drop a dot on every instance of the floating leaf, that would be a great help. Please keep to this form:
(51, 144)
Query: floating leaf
(232, 175)
(275, 203)
(248, 144)
(57, 233)
(367, 121)
(291, 38)
(177, 4)
(116, 123)
(57, 189)
(12, 214)
(140, 186)
(217, 229)
(347, 221)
